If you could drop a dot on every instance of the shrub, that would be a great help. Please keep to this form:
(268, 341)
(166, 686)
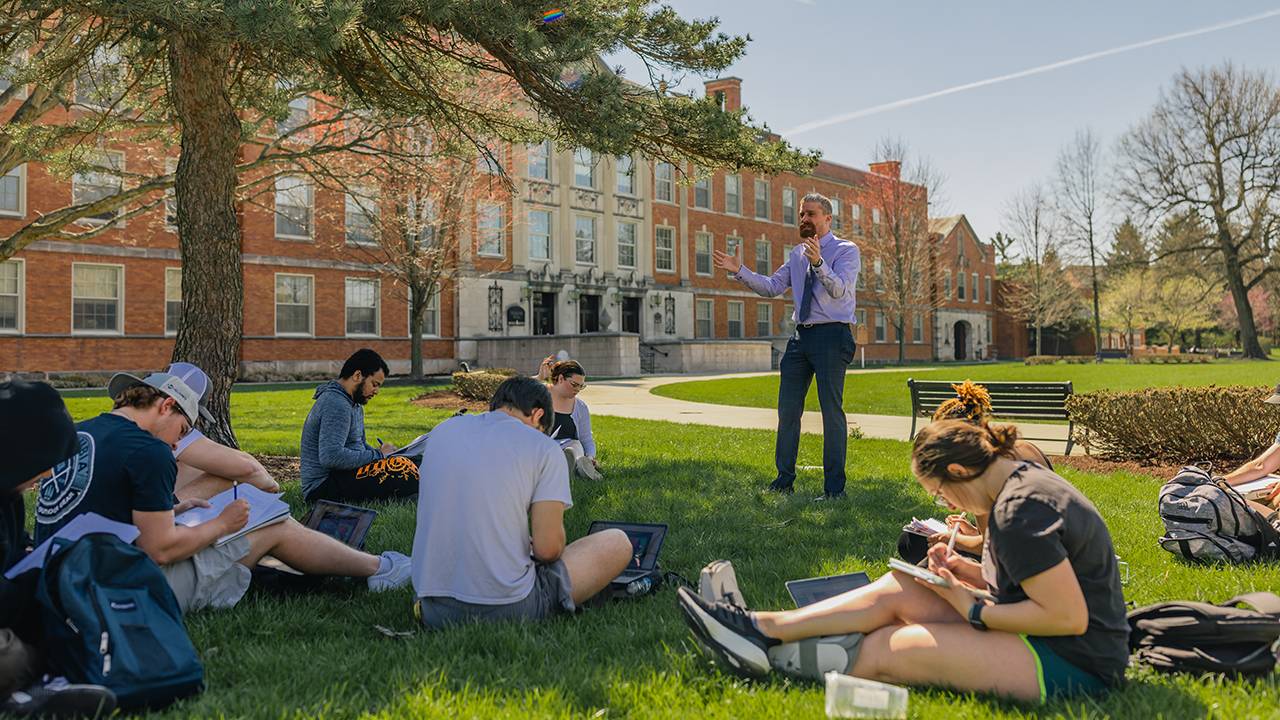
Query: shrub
(1078, 359)
(505, 372)
(478, 385)
(1220, 425)
(1041, 359)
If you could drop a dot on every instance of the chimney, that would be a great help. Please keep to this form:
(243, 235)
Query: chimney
(888, 168)
(727, 91)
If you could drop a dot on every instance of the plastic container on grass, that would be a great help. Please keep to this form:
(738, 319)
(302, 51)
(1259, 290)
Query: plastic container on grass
(851, 697)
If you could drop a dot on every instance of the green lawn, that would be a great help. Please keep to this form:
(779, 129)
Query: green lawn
(885, 393)
(319, 655)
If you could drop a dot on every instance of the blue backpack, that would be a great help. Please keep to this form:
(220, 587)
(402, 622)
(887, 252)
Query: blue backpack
(111, 619)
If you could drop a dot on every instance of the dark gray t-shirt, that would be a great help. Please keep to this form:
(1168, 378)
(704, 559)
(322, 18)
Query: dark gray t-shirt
(1038, 520)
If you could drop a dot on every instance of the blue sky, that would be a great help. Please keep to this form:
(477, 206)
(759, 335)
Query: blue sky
(814, 59)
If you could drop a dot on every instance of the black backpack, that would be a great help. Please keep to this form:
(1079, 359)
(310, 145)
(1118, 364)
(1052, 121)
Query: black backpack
(1202, 638)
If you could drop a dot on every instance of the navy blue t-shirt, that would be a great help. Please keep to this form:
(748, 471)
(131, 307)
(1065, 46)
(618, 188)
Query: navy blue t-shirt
(119, 468)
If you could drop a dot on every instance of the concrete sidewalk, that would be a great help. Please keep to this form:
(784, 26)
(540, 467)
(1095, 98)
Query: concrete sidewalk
(633, 398)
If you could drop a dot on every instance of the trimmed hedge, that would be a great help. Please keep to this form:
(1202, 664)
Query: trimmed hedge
(1040, 359)
(1174, 358)
(1219, 425)
(480, 384)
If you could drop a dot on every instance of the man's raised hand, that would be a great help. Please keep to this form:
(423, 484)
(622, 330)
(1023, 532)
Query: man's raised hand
(812, 250)
(725, 261)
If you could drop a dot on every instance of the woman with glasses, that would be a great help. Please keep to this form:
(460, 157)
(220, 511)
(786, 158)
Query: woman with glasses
(572, 425)
(1041, 616)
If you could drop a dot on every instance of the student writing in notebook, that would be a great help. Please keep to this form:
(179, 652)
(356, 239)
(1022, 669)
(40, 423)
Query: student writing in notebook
(1266, 463)
(571, 427)
(124, 470)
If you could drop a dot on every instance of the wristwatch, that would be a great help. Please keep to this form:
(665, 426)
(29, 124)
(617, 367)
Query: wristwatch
(818, 265)
(975, 616)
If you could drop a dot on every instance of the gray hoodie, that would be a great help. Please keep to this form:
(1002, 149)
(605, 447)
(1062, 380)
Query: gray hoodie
(333, 436)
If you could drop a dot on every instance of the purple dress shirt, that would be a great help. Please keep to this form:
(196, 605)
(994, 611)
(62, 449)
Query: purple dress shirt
(833, 299)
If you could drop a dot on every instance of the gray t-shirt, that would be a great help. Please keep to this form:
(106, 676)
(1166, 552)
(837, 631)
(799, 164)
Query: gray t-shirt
(1039, 520)
(480, 475)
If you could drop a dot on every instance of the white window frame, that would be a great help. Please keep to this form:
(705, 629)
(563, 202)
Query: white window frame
(732, 246)
(837, 218)
(298, 110)
(974, 279)
(855, 212)
(628, 163)
(881, 327)
(433, 311)
(987, 282)
(946, 284)
(20, 174)
(377, 306)
(764, 314)
(664, 182)
(19, 321)
(960, 286)
(658, 249)
(768, 256)
(81, 180)
(788, 192)
(710, 318)
(917, 328)
(875, 216)
(711, 243)
(543, 150)
(594, 244)
(119, 299)
(168, 273)
(702, 185)
(299, 183)
(878, 270)
(550, 234)
(275, 305)
(741, 309)
(759, 196)
(861, 315)
(589, 155)
(734, 181)
(363, 202)
(482, 210)
(635, 233)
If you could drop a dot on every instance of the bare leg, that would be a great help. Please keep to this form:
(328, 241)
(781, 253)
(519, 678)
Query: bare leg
(193, 483)
(308, 551)
(594, 560)
(893, 599)
(950, 655)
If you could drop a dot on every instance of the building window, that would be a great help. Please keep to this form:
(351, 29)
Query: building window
(362, 214)
(172, 300)
(540, 161)
(702, 318)
(97, 298)
(946, 284)
(861, 315)
(960, 285)
(837, 219)
(431, 317)
(171, 197)
(489, 161)
(91, 185)
(422, 216)
(664, 243)
(987, 282)
(540, 234)
(664, 181)
(489, 225)
(733, 246)
(584, 168)
(735, 319)
(878, 269)
(626, 175)
(974, 278)
(988, 331)
(762, 199)
(626, 244)
(788, 206)
(13, 192)
(299, 111)
(294, 201)
(733, 194)
(875, 218)
(362, 306)
(763, 264)
(880, 326)
(917, 328)
(855, 211)
(584, 236)
(11, 296)
(702, 193)
(98, 85)
(702, 253)
(294, 304)
(764, 319)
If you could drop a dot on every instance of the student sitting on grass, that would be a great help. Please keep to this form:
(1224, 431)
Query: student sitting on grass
(972, 403)
(490, 538)
(572, 424)
(1265, 464)
(206, 468)
(124, 470)
(1056, 628)
(337, 462)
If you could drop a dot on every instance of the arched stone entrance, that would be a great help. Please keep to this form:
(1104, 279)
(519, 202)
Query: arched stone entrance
(963, 333)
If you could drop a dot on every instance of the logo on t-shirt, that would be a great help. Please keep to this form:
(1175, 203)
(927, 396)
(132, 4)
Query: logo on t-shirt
(60, 494)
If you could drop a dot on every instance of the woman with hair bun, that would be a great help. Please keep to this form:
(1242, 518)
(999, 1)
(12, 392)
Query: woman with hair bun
(1051, 622)
(572, 425)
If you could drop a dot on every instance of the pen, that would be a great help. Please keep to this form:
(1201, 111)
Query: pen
(951, 544)
(380, 442)
(235, 490)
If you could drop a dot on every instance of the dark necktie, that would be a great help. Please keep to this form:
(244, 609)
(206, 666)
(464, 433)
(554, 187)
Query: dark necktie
(806, 302)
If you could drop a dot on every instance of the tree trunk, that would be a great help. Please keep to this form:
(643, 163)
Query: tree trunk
(417, 306)
(1240, 295)
(902, 343)
(208, 231)
(1039, 337)
(1097, 312)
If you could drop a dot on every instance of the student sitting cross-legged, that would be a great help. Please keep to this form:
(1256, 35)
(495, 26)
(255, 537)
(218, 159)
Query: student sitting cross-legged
(1057, 624)
(124, 470)
(338, 463)
(490, 539)
(572, 424)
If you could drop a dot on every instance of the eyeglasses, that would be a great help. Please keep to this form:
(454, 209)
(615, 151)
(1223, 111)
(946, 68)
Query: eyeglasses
(939, 500)
(577, 385)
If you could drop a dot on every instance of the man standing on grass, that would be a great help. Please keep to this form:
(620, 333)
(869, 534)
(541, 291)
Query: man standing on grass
(821, 272)
(337, 462)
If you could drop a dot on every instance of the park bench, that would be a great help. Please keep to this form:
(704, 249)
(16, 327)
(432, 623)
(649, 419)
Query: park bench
(1025, 400)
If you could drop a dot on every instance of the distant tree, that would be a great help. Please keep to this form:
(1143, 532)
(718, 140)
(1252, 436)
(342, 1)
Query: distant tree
(1128, 248)
(1263, 303)
(1003, 243)
(1211, 148)
(1040, 293)
(1180, 301)
(1126, 303)
(1078, 191)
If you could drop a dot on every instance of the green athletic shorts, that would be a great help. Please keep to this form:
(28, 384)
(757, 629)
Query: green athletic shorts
(1059, 677)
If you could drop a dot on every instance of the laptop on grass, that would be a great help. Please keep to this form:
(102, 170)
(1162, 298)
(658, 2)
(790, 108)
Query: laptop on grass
(646, 542)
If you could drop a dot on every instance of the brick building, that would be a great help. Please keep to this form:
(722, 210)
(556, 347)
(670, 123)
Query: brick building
(965, 317)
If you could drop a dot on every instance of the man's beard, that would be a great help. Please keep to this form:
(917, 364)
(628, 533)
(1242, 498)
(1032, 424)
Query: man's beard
(359, 396)
(808, 231)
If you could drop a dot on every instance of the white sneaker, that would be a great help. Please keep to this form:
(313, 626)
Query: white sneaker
(812, 658)
(587, 469)
(719, 583)
(398, 573)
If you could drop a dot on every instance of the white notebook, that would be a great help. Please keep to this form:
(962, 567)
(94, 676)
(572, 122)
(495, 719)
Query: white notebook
(1257, 486)
(264, 509)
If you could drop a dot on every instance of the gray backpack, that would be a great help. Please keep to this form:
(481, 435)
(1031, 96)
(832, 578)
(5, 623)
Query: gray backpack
(1207, 520)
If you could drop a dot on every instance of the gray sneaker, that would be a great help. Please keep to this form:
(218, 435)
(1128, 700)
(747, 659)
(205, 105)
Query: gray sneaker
(59, 698)
(587, 469)
(398, 573)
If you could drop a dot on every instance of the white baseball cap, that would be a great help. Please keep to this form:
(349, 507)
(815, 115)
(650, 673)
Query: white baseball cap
(193, 376)
(173, 386)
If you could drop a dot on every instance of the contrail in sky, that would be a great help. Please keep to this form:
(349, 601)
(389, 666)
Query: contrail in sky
(845, 117)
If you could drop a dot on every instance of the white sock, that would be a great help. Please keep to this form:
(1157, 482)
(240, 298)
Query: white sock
(384, 565)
